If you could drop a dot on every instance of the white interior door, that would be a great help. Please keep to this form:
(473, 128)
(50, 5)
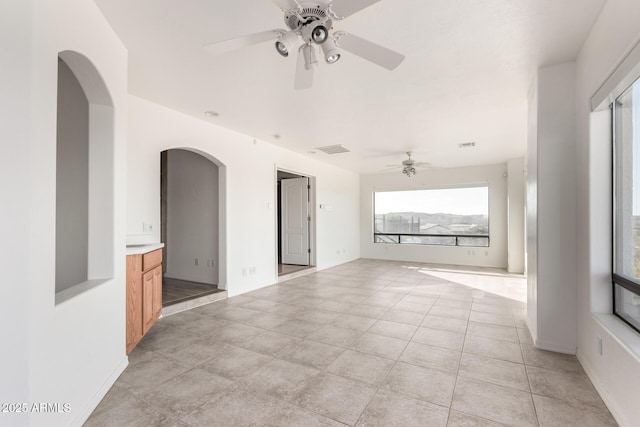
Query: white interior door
(294, 207)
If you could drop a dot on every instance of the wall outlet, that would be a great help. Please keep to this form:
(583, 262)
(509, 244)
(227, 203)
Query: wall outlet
(196, 262)
(244, 271)
(147, 227)
(252, 271)
(600, 346)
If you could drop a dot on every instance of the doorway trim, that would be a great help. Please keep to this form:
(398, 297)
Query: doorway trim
(312, 223)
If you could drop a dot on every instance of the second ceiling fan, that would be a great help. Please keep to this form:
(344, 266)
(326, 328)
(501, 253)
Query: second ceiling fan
(310, 32)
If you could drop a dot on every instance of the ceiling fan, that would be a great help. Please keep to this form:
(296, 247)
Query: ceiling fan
(310, 30)
(409, 166)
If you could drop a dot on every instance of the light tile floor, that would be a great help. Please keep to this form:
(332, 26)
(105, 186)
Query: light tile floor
(368, 343)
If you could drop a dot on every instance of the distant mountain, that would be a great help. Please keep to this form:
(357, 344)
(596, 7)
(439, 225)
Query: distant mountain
(441, 218)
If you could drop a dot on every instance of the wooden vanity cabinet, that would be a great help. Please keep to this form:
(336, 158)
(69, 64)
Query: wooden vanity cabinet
(144, 294)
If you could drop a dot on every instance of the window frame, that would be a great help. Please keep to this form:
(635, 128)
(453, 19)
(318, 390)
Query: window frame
(455, 236)
(618, 280)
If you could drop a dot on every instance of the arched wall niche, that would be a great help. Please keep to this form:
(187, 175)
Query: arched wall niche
(94, 135)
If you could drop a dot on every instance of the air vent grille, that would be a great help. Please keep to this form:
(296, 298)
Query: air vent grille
(467, 145)
(334, 149)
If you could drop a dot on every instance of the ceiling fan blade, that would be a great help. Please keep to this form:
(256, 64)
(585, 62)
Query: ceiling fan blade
(244, 41)
(422, 164)
(344, 8)
(365, 49)
(304, 77)
(286, 4)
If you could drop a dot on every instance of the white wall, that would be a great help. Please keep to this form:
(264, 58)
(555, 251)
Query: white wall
(515, 198)
(72, 181)
(551, 302)
(493, 256)
(249, 179)
(16, 40)
(192, 217)
(531, 203)
(616, 373)
(75, 350)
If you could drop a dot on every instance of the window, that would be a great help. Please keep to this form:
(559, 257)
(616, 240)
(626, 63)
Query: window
(626, 224)
(446, 217)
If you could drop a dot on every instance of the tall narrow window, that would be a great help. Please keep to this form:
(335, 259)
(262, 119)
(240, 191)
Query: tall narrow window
(626, 241)
(446, 217)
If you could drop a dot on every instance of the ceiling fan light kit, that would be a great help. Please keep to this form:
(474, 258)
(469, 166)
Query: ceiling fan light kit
(331, 52)
(409, 171)
(410, 166)
(286, 43)
(312, 24)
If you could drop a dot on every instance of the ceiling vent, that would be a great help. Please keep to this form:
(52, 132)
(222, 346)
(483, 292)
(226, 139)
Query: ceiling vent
(334, 149)
(467, 145)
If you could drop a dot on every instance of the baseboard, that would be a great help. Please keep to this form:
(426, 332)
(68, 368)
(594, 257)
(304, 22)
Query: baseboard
(533, 332)
(613, 407)
(541, 345)
(85, 413)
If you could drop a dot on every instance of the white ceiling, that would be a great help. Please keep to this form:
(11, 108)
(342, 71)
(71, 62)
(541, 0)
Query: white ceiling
(468, 67)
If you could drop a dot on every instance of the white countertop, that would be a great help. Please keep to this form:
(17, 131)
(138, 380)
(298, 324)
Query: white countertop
(143, 249)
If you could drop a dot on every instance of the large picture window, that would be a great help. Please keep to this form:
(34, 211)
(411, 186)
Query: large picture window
(447, 217)
(626, 178)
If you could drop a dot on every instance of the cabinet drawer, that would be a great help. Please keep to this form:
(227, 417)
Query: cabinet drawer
(151, 259)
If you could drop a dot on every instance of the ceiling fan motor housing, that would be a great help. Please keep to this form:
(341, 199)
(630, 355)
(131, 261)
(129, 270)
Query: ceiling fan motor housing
(311, 22)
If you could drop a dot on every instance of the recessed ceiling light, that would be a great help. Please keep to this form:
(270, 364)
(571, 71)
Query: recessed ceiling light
(211, 113)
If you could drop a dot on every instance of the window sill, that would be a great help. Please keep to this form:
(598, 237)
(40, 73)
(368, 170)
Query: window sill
(78, 289)
(627, 337)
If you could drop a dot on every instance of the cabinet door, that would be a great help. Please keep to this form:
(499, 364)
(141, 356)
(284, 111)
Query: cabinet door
(134, 301)
(151, 297)
(157, 292)
(147, 301)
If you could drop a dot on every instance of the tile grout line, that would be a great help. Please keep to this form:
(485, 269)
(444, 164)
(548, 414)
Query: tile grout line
(387, 288)
(388, 372)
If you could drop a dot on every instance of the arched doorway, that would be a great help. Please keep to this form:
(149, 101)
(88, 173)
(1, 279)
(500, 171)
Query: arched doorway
(192, 215)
